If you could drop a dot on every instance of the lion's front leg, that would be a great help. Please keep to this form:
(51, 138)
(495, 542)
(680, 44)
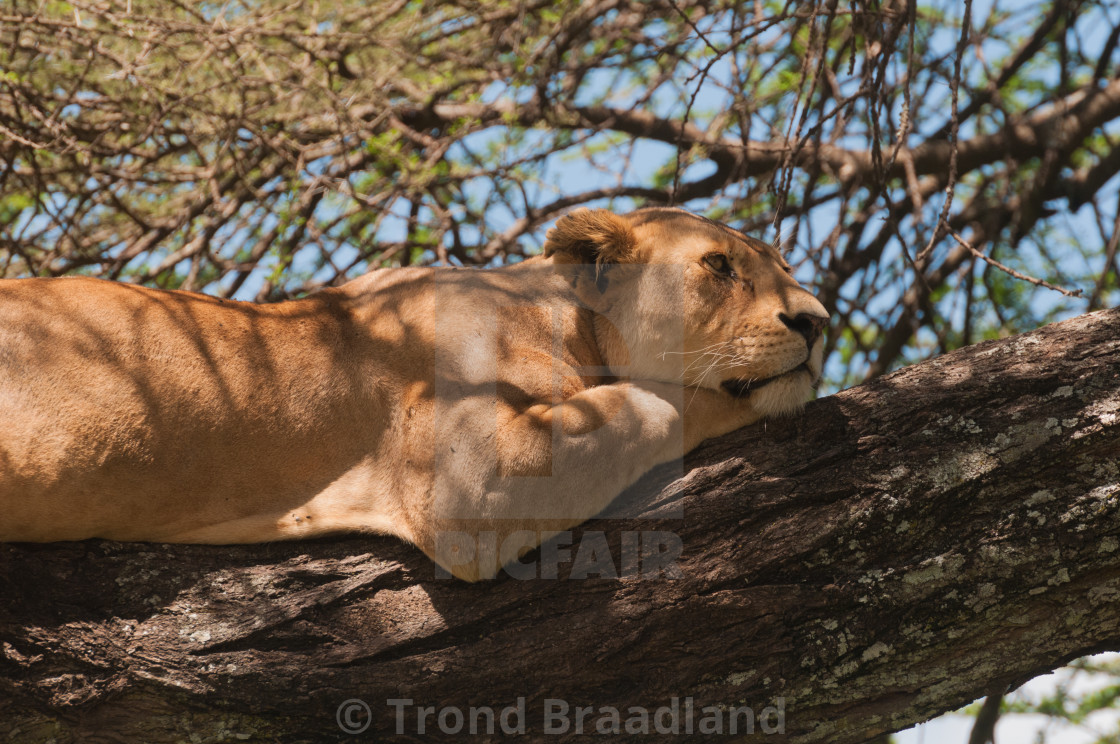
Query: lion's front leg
(552, 467)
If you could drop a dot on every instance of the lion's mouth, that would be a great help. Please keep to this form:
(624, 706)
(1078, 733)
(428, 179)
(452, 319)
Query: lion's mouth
(741, 388)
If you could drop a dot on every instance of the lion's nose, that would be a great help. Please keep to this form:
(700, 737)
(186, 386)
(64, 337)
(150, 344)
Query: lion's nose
(808, 325)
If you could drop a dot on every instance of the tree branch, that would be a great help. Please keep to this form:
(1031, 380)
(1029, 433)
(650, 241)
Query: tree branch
(1023, 136)
(896, 551)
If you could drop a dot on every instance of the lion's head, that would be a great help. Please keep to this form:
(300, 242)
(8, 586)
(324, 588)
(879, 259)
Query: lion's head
(683, 298)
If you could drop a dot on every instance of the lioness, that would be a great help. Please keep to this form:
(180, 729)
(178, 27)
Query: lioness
(422, 403)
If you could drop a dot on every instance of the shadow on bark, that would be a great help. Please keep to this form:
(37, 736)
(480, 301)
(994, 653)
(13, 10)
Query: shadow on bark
(889, 554)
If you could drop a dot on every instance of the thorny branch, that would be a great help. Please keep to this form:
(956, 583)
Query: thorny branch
(262, 150)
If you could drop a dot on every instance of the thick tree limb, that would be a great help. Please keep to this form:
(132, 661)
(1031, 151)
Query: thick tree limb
(900, 549)
(1067, 120)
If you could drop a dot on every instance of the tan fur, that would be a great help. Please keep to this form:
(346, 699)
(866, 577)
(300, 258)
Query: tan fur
(414, 402)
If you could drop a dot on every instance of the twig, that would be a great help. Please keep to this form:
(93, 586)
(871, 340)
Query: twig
(1008, 270)
(954, 87)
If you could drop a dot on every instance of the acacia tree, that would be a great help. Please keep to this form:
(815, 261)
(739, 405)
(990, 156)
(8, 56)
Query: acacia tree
(939, 172)
(904, 153)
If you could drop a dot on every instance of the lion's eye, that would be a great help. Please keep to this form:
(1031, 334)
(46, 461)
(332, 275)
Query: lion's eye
(718, 263)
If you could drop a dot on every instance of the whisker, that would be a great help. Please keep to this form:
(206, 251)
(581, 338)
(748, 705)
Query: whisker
(715, 358)
(702, 376)
(701, 350)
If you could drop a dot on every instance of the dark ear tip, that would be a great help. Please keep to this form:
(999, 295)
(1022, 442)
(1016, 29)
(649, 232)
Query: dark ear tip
(590, 236)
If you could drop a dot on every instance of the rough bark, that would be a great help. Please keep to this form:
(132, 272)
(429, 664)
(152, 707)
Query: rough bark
(897, 550)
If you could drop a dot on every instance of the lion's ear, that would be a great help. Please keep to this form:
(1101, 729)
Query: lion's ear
(590, 236)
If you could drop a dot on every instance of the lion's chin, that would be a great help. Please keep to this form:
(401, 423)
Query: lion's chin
(777, 395)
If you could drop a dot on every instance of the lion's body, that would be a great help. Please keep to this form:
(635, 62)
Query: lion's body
(414, 402)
